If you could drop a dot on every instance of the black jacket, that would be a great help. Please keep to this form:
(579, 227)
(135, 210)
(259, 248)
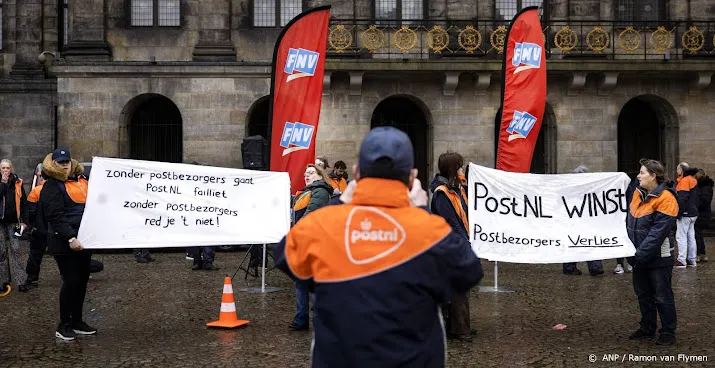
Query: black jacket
(61, 215)
(8, 193)
(651, 218)
(687, 192)
(705, 197)
(442, 206)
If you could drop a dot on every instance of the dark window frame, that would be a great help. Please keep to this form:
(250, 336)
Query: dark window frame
(663, 11)
(398, 10)
(519, 6)
(155, 16)
(62, 23)
(2, 27)
(277, 20)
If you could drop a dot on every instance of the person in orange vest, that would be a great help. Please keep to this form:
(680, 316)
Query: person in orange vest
(687, 193)
(338, 177)
(380, 264)
(38, 238)
(13, 214)
(449, 201)
(62, 201)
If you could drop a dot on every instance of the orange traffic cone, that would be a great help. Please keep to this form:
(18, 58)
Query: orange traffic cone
(228, 318)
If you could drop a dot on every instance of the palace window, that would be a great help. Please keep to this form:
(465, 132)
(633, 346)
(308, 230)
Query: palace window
(155, 13)
(269, 13)
(639, 10)
(389, 11)
(63, 38)
(1, 25)
(507, 9)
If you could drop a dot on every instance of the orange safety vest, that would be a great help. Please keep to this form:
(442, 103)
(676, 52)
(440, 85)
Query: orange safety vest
(34, 195)
(339, 184)
(456, 202)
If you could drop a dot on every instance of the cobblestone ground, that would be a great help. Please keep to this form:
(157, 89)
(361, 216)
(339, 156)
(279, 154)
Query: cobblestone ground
(154, 315)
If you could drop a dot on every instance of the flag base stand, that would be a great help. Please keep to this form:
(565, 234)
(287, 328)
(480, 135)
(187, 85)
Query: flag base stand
(263, 289)
(495, 288)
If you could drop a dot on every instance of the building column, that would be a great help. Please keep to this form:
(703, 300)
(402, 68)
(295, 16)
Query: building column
(215, 32)
(87, 38)
(28, 40)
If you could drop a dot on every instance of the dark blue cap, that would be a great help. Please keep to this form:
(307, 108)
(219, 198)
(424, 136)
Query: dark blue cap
(61, 154)
(387, 142)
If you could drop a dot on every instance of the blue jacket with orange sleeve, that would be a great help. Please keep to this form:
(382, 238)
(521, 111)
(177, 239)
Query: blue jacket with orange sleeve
(687, 194)
(651, 218)
(380, 269)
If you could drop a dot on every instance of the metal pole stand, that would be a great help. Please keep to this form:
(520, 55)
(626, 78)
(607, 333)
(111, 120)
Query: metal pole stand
(495, 288)
(263, 289)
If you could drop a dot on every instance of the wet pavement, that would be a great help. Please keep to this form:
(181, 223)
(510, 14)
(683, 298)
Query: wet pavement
(154, 315)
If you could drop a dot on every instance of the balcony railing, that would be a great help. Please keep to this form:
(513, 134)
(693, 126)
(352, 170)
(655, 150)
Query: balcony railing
(404, 40)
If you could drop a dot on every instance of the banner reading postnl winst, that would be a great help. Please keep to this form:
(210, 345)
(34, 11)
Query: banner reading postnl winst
(530, 218)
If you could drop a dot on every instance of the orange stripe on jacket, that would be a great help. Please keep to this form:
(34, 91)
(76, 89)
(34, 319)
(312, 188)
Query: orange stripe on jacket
(686, 183)
(666, 204)
(339, 184)
(34, 195)
(302, 200)
(77, 190)
(456, 202)
(375, 233)
(18, 197)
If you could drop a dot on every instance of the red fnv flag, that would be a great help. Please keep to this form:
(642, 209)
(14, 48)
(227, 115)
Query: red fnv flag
(523, 92)
(296, 92)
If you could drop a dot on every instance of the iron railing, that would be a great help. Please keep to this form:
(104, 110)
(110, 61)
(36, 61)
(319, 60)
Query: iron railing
(435, 39)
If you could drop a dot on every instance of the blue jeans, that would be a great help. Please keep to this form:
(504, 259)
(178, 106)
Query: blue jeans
(655, 297)
(302, 305)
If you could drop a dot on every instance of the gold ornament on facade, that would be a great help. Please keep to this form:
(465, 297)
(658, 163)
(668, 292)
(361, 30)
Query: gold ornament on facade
(566, 39)
(661, 40)
(437, 39)
(469, 39)
(340, 38)
(372, 38)
(405, 39)
(597, 40)
(629, 39)
(693, 40)
(497, 38)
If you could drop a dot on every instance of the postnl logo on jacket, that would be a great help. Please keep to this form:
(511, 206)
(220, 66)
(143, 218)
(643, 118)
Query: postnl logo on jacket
(296, 136)
(526, 56)
(371, 234)
(300, 63)
(520, 125)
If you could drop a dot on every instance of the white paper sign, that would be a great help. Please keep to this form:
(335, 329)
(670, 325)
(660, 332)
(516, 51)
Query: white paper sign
(530, 218)
(146, 204)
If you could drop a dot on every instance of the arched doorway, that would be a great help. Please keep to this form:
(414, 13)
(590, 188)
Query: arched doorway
(259, 122)
(543, 160)
(154, 129)
(411, 116)
(647, 128)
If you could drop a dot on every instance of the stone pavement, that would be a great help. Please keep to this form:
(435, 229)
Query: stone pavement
(154, 315)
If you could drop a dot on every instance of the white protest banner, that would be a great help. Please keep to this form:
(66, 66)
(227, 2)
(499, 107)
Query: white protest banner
(530, 218)
(146, 204)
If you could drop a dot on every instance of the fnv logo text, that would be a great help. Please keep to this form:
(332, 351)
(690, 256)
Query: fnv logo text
(300, 63)
(526, 56)
(520, 125)
(296, 136)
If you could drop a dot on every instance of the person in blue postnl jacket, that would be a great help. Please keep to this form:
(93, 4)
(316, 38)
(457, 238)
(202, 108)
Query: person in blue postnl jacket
(651, 218)
(380, 264)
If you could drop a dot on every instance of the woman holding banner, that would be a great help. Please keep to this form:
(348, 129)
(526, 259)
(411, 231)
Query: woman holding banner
(62, 201)
(449, 201)
(315, 195)
(651, 218)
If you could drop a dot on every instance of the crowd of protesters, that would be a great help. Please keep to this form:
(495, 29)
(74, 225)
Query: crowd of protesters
(662, 216)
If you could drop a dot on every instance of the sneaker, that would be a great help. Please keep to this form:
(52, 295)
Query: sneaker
(211, 267)
(195, 267)
(629, 269)
(618, 270)
(82, 328)
(678, 264)
(576, 272)
(665, 339)
(296, 327)
(689, 264)
(65, 332)
(641, 335)
(597, 272)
